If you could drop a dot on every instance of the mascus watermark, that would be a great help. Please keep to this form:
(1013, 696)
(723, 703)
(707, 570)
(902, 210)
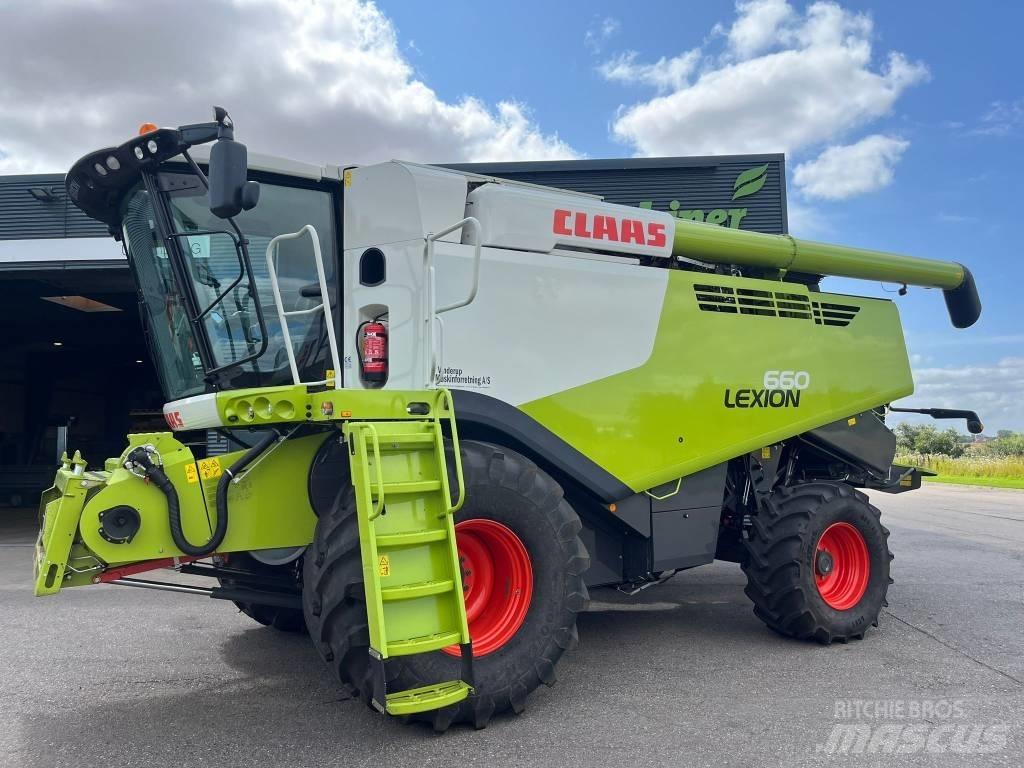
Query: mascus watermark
(910, 726)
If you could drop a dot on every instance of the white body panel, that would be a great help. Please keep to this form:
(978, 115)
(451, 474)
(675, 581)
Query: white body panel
(544, 320)
(196, 412)
(392, 202)
(539, 220)
(540, 324)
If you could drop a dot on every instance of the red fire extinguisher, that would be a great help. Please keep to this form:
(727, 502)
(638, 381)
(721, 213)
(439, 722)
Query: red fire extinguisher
(374, 352)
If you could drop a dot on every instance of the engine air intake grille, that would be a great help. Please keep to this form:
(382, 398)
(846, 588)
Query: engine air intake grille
(749, 301)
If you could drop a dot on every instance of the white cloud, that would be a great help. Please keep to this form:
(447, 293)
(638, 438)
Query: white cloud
(994, 390)
(600, 32)
(1001, 119)
(806, 221)
(324, 82)
(760, 25)
(665, 74)
(813, 80)
(956, 218)
(844, 171)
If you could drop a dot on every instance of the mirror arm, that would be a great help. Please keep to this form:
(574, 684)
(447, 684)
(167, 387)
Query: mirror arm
(196, 170)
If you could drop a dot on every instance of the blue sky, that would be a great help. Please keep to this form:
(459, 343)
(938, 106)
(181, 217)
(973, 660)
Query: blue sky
(953, 190)
(903, 122)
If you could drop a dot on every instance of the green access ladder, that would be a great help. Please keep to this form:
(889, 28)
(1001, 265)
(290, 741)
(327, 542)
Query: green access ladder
(414, 600)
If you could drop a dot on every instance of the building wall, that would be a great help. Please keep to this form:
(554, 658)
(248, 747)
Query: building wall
(36, 206)
(745, 191)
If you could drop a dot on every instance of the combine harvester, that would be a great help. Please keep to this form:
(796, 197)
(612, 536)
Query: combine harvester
(459, 402)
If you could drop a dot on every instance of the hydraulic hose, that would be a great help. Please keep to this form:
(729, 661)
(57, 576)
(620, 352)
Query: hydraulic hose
(155, 475)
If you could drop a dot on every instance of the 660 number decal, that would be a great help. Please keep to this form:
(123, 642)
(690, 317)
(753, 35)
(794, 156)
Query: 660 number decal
(787, 379)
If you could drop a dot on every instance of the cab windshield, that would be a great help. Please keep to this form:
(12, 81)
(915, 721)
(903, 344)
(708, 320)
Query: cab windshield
(217, 291)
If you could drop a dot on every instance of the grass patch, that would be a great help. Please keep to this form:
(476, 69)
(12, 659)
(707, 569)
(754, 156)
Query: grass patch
(992, 471)
(990, 482)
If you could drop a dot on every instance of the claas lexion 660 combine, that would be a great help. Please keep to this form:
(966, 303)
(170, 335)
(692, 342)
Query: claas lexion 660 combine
(458, 402)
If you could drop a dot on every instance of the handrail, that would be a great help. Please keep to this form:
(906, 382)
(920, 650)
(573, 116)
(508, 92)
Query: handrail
(378, 505)
(324, 305)
(444, 399)
(432, 310)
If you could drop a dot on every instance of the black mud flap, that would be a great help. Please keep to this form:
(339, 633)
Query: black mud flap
(900, 479)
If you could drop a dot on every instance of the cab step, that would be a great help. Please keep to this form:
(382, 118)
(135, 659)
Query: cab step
(426, 698)
(413, 580)
(425, 644)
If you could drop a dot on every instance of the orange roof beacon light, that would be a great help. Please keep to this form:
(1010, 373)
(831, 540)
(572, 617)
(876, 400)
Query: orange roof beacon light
(147, 128)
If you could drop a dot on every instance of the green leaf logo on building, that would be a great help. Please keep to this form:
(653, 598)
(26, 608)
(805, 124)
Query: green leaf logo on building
(750, 181)
(747, 183)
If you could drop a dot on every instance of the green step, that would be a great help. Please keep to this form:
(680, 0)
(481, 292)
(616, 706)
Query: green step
(418, 589)
(411, 487)
(423, 644)
(416, 441)
(410, 538)
(427, 698)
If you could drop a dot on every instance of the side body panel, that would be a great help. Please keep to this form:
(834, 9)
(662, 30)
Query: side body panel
(637, 368)
(652, 374)
(701, 398)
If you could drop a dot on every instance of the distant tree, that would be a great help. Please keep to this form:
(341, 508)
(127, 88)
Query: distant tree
(906, 437)
(1011, 444)
(925, 438)
(1004, 433)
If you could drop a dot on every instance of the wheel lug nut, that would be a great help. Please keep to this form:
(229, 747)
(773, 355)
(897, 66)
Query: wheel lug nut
(823, 563)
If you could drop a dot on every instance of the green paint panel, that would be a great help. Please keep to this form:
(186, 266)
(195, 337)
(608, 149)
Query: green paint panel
(668, 418)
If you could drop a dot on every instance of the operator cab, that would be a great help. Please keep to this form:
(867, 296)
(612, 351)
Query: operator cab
(208, 309)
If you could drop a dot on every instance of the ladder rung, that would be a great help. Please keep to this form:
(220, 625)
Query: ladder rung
(415, 486)
(423, 644)
(418, 589)
(397, 442)
(427, 698)
(410, 539)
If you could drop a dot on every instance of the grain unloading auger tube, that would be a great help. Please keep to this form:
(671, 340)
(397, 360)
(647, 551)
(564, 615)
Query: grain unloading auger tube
(541, 220)
(720, 245)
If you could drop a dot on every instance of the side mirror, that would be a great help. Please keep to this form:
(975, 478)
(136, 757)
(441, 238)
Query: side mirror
(230, 191)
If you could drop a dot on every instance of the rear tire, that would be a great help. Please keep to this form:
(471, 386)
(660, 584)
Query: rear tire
(817, 563)
(502, 486)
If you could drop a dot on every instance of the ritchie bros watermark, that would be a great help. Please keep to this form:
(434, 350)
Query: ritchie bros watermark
(910, 726)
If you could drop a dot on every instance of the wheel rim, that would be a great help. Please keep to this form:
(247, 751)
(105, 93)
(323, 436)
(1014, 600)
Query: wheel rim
(842, 566)
(497, 581)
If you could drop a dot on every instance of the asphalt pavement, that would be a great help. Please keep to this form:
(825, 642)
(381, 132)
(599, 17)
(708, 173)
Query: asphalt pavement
(682, 674)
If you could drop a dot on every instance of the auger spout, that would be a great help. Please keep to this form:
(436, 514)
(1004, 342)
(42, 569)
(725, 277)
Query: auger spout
(720, 245)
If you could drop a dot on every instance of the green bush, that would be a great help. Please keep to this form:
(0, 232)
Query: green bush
(1006, 445)
(926, 439)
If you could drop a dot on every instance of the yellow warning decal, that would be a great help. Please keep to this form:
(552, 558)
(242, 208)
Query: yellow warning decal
(906, 481)
(851, 421)
(766, 453)
(209, 469)
(191, 473)
(384, 566)
(348, 178)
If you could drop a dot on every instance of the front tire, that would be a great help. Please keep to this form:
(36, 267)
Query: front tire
(817, 563)
(508, 500)
(281, 619)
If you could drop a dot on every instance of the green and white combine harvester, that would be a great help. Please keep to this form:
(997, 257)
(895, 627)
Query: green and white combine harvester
(459, 402)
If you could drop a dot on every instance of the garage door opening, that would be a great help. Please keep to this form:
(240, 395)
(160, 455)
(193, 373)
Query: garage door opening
(75, 373)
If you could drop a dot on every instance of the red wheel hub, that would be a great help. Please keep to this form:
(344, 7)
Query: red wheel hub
(497, 581)
(842, 566)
